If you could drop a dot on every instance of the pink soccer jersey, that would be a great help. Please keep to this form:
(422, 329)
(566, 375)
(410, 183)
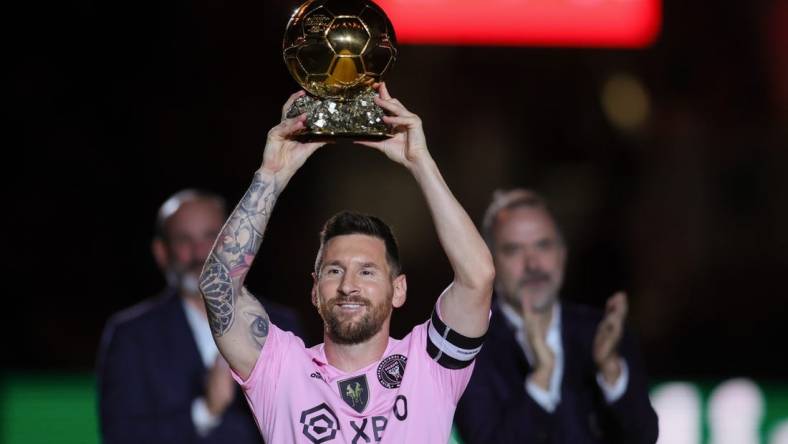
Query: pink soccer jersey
(408, 396)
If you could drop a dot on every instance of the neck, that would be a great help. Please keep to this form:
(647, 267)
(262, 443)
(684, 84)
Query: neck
(350, 358)
(544, 315)
(195, 300)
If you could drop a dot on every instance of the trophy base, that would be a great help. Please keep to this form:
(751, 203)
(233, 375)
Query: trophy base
(355, 118)
(309, 136)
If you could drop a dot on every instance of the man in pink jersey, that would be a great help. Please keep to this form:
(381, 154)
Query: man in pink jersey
(360, 385)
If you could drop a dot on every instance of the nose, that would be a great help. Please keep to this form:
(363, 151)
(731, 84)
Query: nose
(348, 285)
(200, 250)
(531, 260)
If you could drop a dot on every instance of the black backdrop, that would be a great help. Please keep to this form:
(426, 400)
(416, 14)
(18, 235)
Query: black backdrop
(115, 105)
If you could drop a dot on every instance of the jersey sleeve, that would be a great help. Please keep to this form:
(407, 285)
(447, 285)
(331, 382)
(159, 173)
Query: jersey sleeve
(263, 382)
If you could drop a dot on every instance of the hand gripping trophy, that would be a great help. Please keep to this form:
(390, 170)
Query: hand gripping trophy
(336, 50)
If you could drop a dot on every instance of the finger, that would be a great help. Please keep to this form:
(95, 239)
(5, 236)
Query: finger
(289, 126)
(624, 305)
(527, 304)
(378, 145)
(407, 121)
(613, 303)
(292, 127)
(599, 338)
(392, 106)
(617, 305)
(384, 91)
(311, 147)
(289, 103)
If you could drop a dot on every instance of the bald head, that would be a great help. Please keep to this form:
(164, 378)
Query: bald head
(187, 225)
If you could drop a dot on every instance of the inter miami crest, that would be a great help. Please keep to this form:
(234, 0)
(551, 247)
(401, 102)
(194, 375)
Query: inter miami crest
(391, 370)
(355, 392)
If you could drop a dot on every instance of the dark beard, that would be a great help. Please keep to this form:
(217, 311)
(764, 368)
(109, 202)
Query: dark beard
(357, 331)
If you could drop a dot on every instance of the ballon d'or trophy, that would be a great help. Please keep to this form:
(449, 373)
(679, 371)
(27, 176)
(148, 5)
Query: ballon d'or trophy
(336, 50)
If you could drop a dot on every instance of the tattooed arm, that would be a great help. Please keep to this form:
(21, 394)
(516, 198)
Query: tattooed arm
(238, 321)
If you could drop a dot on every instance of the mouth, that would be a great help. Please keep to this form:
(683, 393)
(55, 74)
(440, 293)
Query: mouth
(349, 306)
(534, 281)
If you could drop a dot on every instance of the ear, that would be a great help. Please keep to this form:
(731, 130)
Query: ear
(400, 291)
(160, 254)
(314, 289)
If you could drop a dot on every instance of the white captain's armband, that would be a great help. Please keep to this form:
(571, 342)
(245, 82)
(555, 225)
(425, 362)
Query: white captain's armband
(449, 348)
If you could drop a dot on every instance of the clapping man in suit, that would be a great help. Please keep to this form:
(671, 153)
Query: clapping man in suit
(551, 371)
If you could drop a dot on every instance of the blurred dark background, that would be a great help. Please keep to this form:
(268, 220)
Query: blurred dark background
(116, 105)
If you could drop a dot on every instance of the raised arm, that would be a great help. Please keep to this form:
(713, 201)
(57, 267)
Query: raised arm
(238, 321)
(466, 302)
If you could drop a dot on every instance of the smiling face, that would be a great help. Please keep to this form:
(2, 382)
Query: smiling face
(529, 256)
(354, 290)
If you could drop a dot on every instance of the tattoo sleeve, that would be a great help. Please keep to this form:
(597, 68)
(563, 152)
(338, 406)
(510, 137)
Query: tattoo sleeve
(217, 289)
(222, 277)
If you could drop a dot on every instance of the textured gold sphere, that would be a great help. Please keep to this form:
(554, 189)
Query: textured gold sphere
(334, 48)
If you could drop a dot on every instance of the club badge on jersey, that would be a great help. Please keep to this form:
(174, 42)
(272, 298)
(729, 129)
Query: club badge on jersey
(355, 392)
(391, 371)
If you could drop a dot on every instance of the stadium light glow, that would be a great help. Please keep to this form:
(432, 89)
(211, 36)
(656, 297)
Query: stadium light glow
(574, 23)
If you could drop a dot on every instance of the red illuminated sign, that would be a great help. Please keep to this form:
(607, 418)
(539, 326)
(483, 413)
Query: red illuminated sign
(594, 23)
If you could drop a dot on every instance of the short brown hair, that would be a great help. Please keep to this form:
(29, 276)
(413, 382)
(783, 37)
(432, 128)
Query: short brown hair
(348, 222)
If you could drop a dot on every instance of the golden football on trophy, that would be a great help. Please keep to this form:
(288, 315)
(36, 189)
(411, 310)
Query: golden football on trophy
(336, 50)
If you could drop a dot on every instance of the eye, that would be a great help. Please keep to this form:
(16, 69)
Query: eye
(546, 244)
(509, 249)
(179, 241)
(367, 272)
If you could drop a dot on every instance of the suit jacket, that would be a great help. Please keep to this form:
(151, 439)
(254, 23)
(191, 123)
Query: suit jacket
(150, 371)
(497, 409)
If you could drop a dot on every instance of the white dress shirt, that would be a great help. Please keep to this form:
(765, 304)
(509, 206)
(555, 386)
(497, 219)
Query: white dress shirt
(550, 398)
(202, 418)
